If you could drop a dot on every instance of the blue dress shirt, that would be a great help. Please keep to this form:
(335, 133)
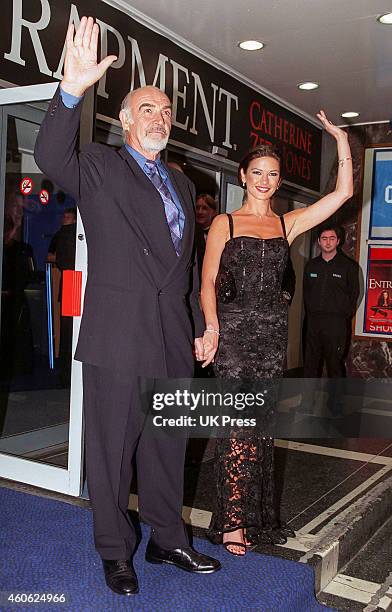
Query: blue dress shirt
(71, 101)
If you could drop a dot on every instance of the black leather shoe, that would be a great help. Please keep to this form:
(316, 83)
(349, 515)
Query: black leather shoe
(120, 576)
(185, 558)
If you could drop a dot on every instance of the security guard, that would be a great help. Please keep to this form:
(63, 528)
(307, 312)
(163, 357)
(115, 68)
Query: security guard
(331, 290)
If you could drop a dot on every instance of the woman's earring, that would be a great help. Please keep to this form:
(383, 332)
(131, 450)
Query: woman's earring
(243, 184)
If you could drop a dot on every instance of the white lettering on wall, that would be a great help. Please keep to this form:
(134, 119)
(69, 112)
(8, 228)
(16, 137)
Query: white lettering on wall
(177, 93)
(33, 27)
(181, 76)
(210, 121)
(137, 62)
(229, 98)
(161, 72)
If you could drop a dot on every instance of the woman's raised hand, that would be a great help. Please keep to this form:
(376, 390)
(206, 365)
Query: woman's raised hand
(329, 127)
(81, 69)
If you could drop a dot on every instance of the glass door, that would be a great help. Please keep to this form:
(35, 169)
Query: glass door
(41, 242)
(231, 193)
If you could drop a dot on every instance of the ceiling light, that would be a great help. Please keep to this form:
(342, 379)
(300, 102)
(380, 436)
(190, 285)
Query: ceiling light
(349, 115)
(251, 45)
(308, 85)
(385, 19)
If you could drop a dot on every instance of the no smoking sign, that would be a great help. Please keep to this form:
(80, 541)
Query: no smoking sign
(44, 196)
(26, 186)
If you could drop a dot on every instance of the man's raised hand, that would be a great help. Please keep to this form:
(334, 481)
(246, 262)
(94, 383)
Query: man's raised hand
(81, 69)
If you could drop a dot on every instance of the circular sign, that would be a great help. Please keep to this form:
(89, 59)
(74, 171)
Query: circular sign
(26, 186)
(44, 196)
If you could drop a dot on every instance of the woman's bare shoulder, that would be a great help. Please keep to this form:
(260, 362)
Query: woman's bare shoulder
(220, 221)
(219, 227)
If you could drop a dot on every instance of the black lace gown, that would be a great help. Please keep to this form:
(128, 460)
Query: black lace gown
(252, 345)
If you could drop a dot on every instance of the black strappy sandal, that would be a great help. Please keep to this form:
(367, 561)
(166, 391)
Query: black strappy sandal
(248, 543)
(217, 538)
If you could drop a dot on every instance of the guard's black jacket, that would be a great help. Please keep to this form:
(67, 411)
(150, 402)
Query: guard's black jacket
(331, 287)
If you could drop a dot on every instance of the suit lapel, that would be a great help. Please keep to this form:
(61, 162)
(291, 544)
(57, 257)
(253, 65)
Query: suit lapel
(185, 198)
(144, 209)
(186, 203)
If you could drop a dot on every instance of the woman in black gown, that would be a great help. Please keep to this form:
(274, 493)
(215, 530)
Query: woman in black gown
(245, 259)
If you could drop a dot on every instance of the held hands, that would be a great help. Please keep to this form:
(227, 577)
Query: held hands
(81, 69)
(199, 349)
(210, 345)
(205, 347)
(329, 127)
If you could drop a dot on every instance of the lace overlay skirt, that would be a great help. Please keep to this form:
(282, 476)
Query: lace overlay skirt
(252, 346)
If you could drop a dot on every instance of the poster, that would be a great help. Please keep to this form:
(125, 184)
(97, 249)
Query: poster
(380, 226)
(378, 309)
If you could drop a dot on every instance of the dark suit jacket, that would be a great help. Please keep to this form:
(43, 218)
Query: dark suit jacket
(141, 302)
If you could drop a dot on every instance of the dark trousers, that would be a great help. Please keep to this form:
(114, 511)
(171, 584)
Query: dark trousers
(115, 432)
(326, 341)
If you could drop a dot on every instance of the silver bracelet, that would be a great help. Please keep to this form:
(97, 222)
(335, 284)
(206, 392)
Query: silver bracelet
(341, 161)
(212, 330)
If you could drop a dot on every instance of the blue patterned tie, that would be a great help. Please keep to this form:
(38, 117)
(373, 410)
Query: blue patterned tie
(171, 211)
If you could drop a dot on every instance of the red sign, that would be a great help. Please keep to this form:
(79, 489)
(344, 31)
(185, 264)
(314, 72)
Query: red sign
(379, 291)
(26, 186)
(298, 140)
(44, 196)
(72, 293)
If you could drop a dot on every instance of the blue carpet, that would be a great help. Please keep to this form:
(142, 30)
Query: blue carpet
(46, 547)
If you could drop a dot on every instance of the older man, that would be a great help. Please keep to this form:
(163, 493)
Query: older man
(141, 310)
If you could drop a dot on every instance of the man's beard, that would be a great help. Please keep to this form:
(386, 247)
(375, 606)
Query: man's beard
(154, 145)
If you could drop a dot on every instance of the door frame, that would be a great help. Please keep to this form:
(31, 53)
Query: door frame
(64, 480)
